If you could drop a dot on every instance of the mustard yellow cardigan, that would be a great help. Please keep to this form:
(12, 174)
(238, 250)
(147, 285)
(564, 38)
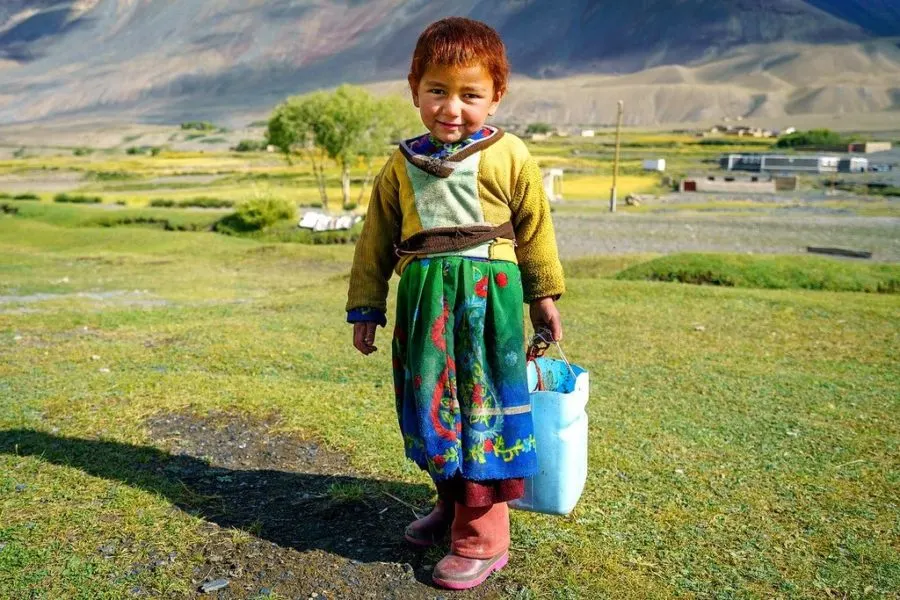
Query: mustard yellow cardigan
(491, 181)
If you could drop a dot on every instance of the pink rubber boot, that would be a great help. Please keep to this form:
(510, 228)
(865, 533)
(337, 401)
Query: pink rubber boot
(480, 546)
(433, 527)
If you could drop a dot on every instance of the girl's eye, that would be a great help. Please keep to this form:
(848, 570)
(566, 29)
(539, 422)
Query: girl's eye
(435, 91)
(473, 96)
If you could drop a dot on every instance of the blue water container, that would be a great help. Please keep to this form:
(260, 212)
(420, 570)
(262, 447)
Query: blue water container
(561, 434)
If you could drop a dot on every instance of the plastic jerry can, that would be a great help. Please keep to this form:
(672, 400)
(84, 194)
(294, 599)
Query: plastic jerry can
(561, 436)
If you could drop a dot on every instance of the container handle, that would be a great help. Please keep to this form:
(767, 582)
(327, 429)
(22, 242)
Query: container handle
(539, 344)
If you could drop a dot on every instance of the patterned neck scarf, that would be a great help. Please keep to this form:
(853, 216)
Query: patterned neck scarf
(428, 145)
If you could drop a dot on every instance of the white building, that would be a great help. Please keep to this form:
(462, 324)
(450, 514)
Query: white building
(553, 184)
(656, 164)
(587, 133)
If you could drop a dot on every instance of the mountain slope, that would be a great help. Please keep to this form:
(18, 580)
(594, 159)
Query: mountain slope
(165, 61)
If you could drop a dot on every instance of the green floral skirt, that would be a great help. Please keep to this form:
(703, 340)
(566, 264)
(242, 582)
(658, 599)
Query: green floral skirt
(459, 369)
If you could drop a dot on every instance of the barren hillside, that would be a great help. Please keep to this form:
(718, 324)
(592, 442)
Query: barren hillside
(161, 61)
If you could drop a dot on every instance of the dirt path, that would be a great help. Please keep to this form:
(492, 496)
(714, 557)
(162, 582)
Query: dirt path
(319, 530)
(664, 233)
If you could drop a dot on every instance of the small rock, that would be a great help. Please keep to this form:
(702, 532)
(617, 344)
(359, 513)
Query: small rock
(265, 592)
(2, 546)
(20, 487)
(699, 328)
(95, 357)
(679, 471)
(104, 370)
(213, 586)
(17, 338)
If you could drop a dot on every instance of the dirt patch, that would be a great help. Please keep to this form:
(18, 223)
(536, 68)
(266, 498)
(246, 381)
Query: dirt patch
(317, 527)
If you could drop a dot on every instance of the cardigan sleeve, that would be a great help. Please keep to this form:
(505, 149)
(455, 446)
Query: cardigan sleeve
(542, 273)
(373, 259)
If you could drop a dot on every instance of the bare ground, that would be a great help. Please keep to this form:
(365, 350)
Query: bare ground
(308, 537)
(789, 232)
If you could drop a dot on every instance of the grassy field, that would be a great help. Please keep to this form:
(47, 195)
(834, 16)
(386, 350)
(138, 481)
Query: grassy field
(180, 174)
(743, 442)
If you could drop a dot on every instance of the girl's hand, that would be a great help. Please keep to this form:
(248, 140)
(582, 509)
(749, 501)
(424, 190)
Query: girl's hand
(544, 315)
(364, 337)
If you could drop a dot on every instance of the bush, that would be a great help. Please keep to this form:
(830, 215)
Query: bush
(82, 151)
(206, 202)
(769, 272)
(257, 213)
(250, 146)
(25, 196)
(162, 203)
(198, 125)
(77, 199)
(538, 128)
(213, 140)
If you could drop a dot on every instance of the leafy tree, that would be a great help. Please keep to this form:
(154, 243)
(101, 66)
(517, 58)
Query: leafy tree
(814, 138)
(344, 126)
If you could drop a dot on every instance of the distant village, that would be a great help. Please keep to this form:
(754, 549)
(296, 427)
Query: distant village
(765, 172)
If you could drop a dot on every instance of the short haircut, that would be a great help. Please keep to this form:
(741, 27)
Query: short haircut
(457, 41)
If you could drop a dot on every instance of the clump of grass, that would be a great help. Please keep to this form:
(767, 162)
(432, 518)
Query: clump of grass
(82, 151)
(213, 140)
(769, 272)
(77, 199)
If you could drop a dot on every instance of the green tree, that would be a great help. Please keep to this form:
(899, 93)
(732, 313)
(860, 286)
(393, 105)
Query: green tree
(814, 138)
(344, 126)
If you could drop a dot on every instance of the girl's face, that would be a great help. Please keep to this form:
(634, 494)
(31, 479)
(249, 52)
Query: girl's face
(454, 102)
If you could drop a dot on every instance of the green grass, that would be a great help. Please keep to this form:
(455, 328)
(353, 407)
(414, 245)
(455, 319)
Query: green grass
(743, 442)
(769, 272)
(68, 215)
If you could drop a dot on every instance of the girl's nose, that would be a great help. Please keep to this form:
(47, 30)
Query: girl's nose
(453, 107)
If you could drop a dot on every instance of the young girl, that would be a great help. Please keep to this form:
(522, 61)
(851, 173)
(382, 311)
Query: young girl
(460, 214)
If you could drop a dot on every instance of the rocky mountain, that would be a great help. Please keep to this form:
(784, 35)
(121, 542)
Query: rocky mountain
(164, 61)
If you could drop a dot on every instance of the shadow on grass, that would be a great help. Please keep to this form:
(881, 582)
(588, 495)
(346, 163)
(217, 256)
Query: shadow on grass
(344, 515)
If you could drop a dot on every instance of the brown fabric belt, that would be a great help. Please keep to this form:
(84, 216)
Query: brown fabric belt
(452, 239)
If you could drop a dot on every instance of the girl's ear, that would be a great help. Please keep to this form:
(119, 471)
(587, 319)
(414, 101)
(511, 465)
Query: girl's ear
(498, 96)
(414, 88)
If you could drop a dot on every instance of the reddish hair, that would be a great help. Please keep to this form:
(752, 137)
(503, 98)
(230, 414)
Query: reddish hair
(461, 42)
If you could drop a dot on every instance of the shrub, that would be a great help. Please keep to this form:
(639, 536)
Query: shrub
(198, 125)
(77, 199)
(82, 151)
(257, 213)
(538, 128)
(199, 202)
(213, 140)
(206, 202)
(25, 196)
(250, 146)
(162, 203)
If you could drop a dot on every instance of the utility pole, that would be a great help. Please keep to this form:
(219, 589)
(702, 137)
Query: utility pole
(612, 195)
